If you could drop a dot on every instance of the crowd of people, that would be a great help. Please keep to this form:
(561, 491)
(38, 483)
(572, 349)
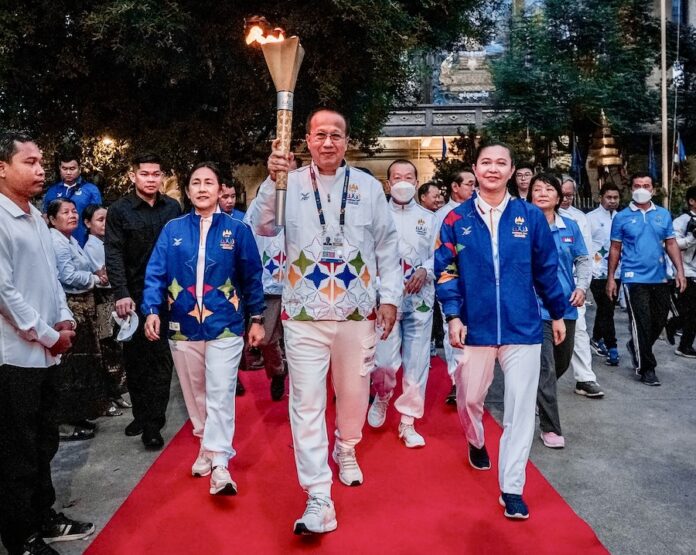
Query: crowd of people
(95, 302)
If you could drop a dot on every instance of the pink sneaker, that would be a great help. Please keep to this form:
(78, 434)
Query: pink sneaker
(552, 440)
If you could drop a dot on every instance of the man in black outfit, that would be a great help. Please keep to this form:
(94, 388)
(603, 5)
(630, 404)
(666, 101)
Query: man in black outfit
(36, 327)
(132, 227)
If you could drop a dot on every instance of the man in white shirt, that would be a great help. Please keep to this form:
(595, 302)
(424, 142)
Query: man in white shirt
(408, 346)
(603, 340)
(461, 190)
(36, 327)
(581, 363)
(339, 238)
(685, 232)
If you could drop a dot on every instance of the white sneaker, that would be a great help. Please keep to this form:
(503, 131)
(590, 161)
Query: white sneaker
(221, 482)
(348, 470)
(203, 464)
(319, 517)
(410, 437)
(378, 411)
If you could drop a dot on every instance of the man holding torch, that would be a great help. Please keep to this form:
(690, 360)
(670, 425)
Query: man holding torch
(338, 232)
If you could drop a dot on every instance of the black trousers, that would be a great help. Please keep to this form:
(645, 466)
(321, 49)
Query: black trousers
(28, 442)
(604, 317)
(555, 360)
(648, 306)
(149, 374)
(687, 314)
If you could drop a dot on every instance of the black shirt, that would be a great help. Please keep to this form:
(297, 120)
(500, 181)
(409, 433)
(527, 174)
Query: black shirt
(132, 228)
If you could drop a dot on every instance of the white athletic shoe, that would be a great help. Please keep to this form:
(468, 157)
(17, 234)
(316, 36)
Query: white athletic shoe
(410, 437)
(203, 464)
(378, 411)
(221, 482)
(348, 470)
(319, 517)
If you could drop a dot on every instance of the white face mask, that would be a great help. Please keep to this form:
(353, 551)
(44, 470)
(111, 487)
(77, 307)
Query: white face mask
(641, 196)
(402, 192)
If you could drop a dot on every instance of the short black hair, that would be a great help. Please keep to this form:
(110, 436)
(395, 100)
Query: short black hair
(423, 189)
(89, 212)
(549, 179)
(8, 143)
(54, 207)
(68, 153)
(690, 194)
(640, 175)
(314, 112)
(212, 166)
(524, 166)
(608, 186)
(489, 144)
(401, 161)
(145, 158)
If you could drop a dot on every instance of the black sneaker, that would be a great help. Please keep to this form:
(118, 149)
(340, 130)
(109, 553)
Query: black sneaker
(152, 438)
(649, 378)
(478, 458)
(451, 398)
(277, 387)
(686, 352)
(133, 429)
(589, 389)
(60, 528)
(36, 546)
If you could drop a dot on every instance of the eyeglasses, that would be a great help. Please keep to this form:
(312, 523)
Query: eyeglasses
(321, 137)
(568, 195)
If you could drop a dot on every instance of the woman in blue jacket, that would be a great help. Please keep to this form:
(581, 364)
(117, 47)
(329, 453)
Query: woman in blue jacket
(204, 275)
(545, 192)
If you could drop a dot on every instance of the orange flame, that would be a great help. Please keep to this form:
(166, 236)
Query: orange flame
(261, 33)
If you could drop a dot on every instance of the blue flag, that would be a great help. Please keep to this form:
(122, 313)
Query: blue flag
(444, 148)
(652, 162)
(679, 151)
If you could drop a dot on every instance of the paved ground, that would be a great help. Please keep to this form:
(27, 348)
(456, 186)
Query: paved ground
(628, 468)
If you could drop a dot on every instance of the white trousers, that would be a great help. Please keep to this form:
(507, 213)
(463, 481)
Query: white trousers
(407, 345)
(521, 366)
(310, 347)
(207, 373)
(581, 362)
(453, 356)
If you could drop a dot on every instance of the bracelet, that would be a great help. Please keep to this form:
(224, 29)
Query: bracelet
(257, 319)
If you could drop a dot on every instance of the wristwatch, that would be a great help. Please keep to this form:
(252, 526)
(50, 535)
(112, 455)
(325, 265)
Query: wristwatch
(259, 319)
(451, 317)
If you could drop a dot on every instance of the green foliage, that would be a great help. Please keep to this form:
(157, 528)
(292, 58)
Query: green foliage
(571, 59)
(176, 75)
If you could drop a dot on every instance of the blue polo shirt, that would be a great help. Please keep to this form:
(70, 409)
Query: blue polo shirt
(642, 235)
(569, 245)
(83, 193)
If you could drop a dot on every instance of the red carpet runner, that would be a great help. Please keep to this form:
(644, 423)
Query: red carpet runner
(412, 502)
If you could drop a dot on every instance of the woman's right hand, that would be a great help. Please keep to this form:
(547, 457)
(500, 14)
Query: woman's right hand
(152, 327)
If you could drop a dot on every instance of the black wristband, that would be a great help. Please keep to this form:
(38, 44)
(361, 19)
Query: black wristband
(450, 317)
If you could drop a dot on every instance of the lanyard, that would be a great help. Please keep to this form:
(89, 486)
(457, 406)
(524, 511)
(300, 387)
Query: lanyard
(317, 199)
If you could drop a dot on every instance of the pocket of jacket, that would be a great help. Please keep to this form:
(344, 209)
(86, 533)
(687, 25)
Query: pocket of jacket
(367, 354)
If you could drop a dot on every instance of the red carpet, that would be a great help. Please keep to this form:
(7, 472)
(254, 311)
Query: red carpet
(412, 502)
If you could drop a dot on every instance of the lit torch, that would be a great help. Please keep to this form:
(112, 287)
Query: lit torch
(283, 58)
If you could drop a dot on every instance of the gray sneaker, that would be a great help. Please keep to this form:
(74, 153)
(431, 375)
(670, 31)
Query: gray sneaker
(589, 389)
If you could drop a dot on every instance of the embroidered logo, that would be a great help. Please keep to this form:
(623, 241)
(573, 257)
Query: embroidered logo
(421, 227)
(466, 230)
(353, 195)
(519, 220)
(304, 196)
(226, 234)
(227, 242)
(177, 241)
(567, 239)
(520, 231)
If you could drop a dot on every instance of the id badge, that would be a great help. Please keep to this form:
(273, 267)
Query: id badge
(332, 249)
